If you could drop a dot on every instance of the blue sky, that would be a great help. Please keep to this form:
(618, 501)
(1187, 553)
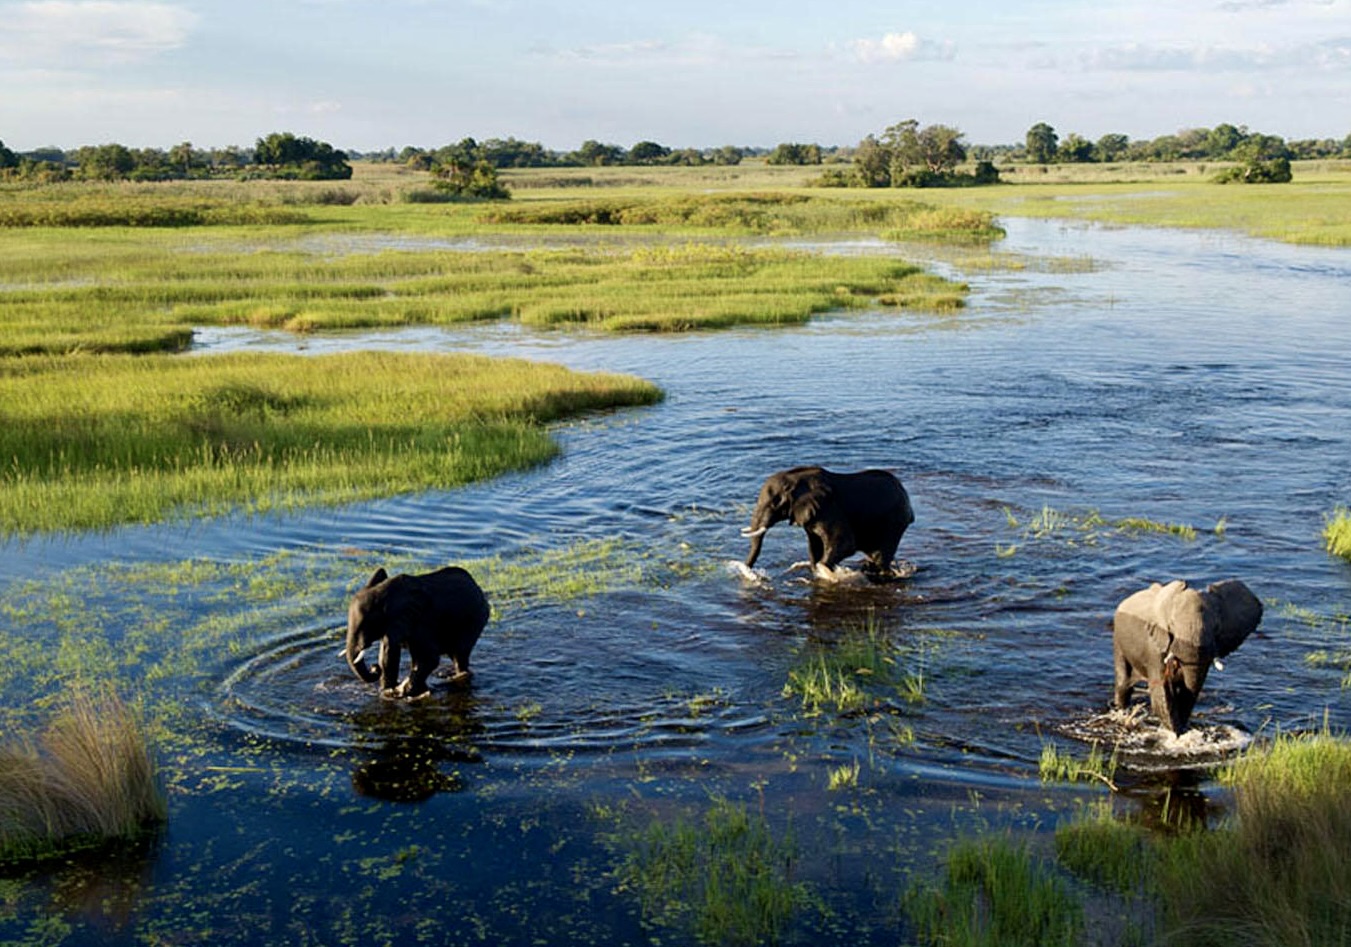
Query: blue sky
(686, 73)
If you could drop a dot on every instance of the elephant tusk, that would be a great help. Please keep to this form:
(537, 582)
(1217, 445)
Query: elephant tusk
(1219, 665)
(752, 533)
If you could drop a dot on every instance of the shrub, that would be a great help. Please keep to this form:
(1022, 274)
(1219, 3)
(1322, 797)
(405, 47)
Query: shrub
(89, 778)
(1337, 533)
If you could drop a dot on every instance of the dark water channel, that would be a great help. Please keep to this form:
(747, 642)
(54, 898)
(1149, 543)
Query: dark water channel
(1183, 378)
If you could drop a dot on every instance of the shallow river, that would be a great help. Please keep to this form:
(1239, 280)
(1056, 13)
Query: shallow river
(1175, 378)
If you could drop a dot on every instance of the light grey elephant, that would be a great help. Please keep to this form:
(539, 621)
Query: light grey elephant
(441, 612)
(842, 513)
(1168, 636)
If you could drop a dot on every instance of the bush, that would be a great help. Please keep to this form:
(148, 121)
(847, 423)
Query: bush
(90, 778)
(1257, 171)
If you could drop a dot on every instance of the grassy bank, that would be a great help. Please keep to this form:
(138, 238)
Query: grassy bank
(94, 441)
(1273, 874)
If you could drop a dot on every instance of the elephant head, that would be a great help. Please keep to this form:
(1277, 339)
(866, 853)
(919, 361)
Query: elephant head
(797, 495)
(367, 622)
(1169, 635)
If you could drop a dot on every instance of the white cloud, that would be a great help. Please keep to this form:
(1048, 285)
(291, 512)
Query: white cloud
(1144, 57)
(98, 32)
(896, 47)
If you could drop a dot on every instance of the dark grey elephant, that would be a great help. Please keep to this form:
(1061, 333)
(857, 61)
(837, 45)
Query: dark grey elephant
(439, 613)
(842, 513)
(1168, 636)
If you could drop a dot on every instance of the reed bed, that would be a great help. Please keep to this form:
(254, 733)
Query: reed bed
(92, 441)
(89, 777)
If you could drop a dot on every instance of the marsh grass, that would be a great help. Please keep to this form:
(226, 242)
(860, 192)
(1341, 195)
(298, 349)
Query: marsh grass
(1090, 527)
(133, 291)
(89, 778)
(1106, 851)
(1276, 874)
(1055, 766)
(995, 893)
(94, 441)
(726, 879)
(1337, 533)
(861, 670)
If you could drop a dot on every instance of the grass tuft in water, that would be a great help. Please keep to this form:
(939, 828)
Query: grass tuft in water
(90, 777)
(994, 893)
(847, 675)
(726, 879)
(1055, 766)
(1337, 533)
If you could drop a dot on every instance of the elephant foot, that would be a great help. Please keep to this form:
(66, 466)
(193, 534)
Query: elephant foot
(420, 695)
(392, 693)
(459, 677)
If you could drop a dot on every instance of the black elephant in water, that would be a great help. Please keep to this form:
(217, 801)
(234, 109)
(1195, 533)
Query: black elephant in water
(842, 513)
(1169, 635)
(439, 613)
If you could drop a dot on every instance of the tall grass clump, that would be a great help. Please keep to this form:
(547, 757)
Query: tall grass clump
(89, 777)
(1277, 874)
(1337, 533)
(995, 893)
(727, 879)
(859, 670)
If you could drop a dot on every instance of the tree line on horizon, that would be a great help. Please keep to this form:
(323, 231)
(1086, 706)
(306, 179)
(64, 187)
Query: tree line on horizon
(917, 155)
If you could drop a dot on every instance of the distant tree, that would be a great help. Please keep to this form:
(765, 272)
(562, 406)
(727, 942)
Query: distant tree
(105, 162)
(182, 157)
(1075, 150)
(648, 152)
(1112, 147)
(1041, 143)
(687, 157)
(285, 155)
(941, 148)
(593, 154)
(901, 144)
(1223, 139)
(8, 159)
(728, 154)
(794, 153)
(872, 163)
(476, 179)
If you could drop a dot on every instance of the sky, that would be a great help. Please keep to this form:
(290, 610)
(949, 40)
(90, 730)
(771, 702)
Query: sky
(367, 75)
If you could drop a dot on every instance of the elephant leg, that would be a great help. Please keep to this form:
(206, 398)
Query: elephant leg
(815, 549)
(1121, 693)
(391, 655)
(461, 662)
(416, 685)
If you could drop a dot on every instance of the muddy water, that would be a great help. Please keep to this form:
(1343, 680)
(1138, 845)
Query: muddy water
(1181, 379)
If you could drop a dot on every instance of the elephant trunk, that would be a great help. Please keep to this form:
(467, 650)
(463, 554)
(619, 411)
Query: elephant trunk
(359, 667)
(757, 537)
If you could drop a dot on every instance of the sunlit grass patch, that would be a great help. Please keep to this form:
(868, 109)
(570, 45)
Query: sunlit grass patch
(1106, 851)
(100, 440)
(1055, 766)
(995, 893)
(1276, 874)
(859, 671)
(726, 879)
(1337, 533)
(1089, 528)
(89, 777)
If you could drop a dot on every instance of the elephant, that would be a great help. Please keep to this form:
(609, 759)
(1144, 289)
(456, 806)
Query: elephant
(842, 513)
(1168, 636)
(439, 613)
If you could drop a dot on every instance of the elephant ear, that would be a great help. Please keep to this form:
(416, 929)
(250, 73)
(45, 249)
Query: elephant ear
(380, 576)
(1239, 612)
(809, 498)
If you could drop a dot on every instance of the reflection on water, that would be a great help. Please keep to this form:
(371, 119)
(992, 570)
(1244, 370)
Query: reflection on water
(1191, 379)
